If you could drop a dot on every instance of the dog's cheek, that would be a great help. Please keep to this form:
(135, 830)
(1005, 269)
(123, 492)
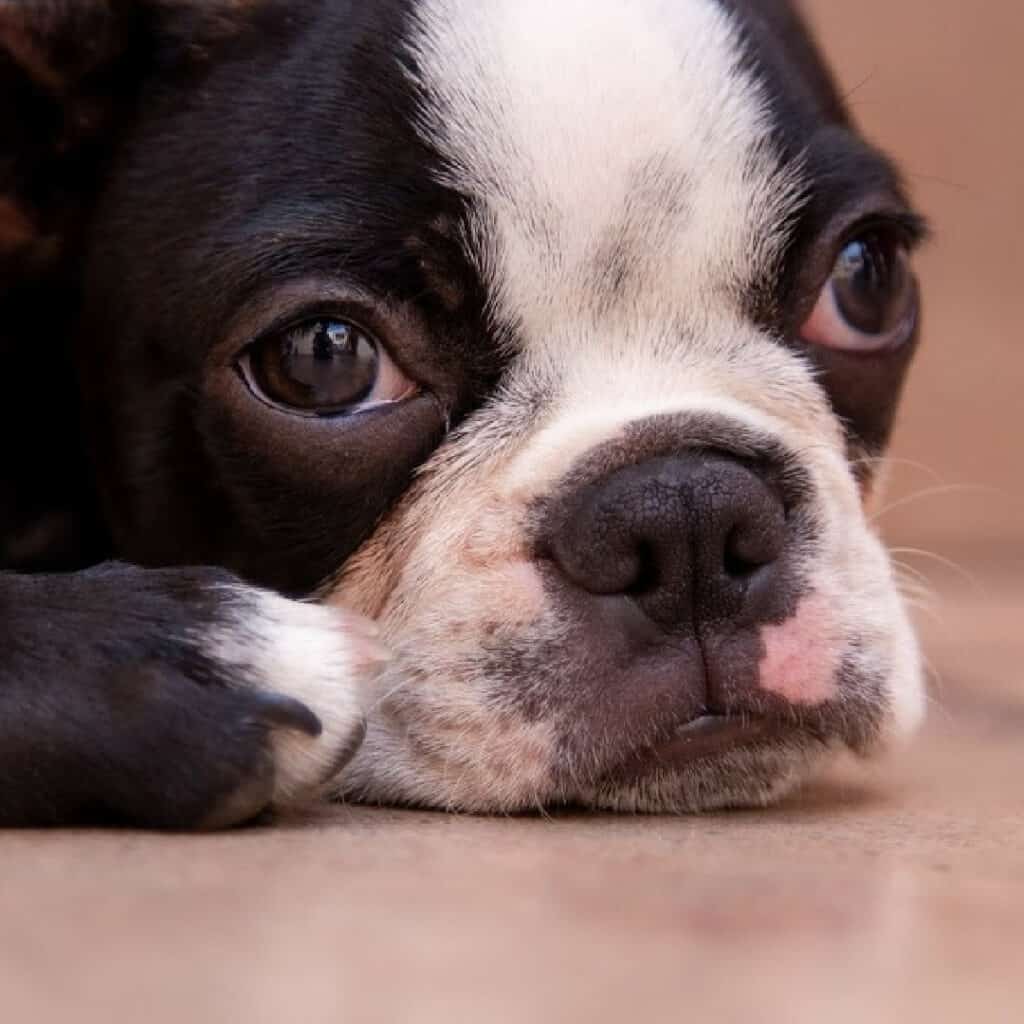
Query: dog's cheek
(855, 580)
(454, 545)
(889, 648)
(433, 743)
(443, 732)
(464, 721)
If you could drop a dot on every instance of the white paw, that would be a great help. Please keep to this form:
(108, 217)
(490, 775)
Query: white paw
(325, 658)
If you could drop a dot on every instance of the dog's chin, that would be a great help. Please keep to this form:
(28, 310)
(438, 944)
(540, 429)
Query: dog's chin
(710, 765)
(755, 775)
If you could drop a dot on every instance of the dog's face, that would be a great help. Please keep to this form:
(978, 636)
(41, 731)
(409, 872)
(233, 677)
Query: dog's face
(562, 338)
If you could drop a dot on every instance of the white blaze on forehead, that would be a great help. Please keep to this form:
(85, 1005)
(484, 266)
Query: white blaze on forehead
(617, 152)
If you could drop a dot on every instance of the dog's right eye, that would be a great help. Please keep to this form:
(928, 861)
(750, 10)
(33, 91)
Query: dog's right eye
(323, 367)
(871, 298)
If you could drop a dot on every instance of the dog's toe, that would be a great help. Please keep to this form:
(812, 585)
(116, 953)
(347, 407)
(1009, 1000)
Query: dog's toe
(246, 802)
(313, 664)
(281, 772)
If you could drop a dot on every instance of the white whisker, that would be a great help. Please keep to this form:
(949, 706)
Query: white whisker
(955, 567)
(945, 490)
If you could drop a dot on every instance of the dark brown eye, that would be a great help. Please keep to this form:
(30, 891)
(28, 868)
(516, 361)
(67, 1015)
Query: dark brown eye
(870, 301)
(325, 367)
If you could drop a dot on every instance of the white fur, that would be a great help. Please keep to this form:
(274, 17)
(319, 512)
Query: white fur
(576, 122)
(315, 655)
(626, 199)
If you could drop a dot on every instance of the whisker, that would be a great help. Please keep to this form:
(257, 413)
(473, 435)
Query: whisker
(542, 811)
(913, 582)
(936, 492)
(947, 714)
(852, 92)
(921, 601)
(955, 567)
(897, 460)
(926, 610)
(933, 179)
(912, 575)
(916, 591)
(396, 689)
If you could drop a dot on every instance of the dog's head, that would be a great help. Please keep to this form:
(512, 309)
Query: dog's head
(562, 338)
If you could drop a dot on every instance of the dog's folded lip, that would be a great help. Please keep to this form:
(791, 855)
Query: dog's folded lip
(704, 737)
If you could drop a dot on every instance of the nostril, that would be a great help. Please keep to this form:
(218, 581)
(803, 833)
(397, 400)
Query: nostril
(738, 560)
(695, 534)
(753, 545)
(648, 574)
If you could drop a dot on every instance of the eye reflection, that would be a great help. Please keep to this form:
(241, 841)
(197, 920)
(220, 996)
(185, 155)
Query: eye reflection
(870, 301)
(324, 367)
(328, 364)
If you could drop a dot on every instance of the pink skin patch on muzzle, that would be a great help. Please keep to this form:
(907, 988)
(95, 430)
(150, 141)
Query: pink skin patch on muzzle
(801, 656)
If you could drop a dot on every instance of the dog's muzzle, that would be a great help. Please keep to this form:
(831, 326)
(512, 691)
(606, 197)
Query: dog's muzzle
(683, 568)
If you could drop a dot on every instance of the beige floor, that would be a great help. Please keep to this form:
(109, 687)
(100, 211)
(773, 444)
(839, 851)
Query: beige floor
(895, 894)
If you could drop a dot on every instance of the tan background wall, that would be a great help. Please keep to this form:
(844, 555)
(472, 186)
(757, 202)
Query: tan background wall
(938, 83)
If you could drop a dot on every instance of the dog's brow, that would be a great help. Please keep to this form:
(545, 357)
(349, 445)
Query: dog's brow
(844, 172)
(580, 206)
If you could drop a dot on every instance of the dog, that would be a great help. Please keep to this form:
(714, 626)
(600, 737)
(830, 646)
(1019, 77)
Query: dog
(463, 404)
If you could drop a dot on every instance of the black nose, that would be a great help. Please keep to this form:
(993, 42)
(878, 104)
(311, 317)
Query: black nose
(698, 535)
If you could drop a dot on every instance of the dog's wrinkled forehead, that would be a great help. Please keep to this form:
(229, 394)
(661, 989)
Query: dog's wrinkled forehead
(620, 158)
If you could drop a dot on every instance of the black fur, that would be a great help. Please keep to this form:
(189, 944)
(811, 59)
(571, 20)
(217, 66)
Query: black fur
(111, 710)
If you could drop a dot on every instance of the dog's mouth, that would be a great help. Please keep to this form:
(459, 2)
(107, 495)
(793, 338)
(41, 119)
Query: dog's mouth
(709, 736)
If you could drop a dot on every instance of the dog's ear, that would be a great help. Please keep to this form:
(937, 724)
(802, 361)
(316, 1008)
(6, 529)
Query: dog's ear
(68, 73)
(59, 67)
(71, 72)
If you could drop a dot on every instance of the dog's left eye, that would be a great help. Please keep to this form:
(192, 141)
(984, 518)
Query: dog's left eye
(324, 367)
(870, 301)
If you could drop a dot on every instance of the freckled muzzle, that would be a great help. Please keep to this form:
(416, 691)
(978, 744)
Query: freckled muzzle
(690, 624)
(686, 616)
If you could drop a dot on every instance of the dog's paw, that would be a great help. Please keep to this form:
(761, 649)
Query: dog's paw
(175, 699)
(308, 655)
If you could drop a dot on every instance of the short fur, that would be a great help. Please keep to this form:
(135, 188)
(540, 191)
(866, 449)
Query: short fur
(590, 232)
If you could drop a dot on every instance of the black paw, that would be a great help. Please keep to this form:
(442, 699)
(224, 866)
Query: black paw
(172, 700)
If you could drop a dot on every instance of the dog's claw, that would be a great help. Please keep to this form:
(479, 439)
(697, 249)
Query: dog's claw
(348, 751)
(283, 712)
